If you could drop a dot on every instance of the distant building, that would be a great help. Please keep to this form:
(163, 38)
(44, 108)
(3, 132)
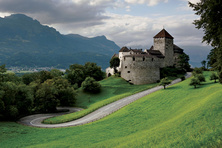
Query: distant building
(143, 67)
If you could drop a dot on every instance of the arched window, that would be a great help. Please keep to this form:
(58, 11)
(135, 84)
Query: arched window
(143, 58)
(133, 58)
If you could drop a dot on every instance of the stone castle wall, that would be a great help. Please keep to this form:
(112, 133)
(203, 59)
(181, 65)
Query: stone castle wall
(141, 70)
(165, 46)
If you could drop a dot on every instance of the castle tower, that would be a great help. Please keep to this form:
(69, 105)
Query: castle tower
(122, 52)
(163, 42)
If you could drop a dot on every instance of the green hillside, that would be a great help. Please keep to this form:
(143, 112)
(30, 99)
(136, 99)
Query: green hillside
(26, 42)
(179, 116)
(113, 89)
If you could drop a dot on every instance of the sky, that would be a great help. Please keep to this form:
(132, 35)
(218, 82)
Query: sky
(131, 23)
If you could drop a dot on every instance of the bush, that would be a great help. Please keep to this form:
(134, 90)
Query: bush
(170, 72)
(197, 71)
(214, 77)
(182, 78)
(91, 85)
(164, 82)
(194, 82)
(200, 77)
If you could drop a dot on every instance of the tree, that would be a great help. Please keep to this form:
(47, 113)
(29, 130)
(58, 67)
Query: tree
(214, 77)
(204, 64)
(56, 73)
(66, 93)
(45, 99)
(164, 82)
(194, 82)
(75, 76)
(197, 71)
(91, 85)
(200, 77)
(15, 100)
(2, 71)
(210, 13)
(94, 71)
(211, 57)
(44, 75)
(114, 63)
(24, 99)
(184, 62)
(30, 77)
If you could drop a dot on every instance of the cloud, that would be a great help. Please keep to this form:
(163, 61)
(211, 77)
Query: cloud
(186, 7)
(90, 18)
(88, 12)
(148, 2)
(138, 31)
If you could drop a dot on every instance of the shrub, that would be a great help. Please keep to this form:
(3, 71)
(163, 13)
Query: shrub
(200, 77)
(194, 82)
(182, 78)
(197, 71)
(165, 82)
(214, 77)
(91, 85)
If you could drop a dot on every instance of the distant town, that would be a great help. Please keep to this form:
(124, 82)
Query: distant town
(31, 69)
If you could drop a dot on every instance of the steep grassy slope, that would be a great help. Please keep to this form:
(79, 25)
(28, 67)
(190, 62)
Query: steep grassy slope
(179, 116)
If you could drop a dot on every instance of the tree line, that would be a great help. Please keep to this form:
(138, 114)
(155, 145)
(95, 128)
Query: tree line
(43, 91)
(210, 16)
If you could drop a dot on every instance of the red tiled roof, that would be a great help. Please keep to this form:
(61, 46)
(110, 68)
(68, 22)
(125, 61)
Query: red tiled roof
(163, 34)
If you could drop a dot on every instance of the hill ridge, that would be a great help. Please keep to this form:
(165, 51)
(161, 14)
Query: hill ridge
(26, 42)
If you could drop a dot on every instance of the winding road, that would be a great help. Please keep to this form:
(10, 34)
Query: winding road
(36, 120)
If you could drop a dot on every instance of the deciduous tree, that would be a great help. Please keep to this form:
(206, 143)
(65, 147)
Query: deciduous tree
(164, 82)
(91, 85)
(114, 63)
(214, 77)
(194, 82)
(184, 62)
(210, 21)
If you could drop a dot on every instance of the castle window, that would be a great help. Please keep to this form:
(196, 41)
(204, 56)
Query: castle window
(133, 58)
(125, 66)
(128, 71)
(143, 58)
(152, 59)
(124, 58)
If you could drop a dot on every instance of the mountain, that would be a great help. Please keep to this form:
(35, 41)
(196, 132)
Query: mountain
(25, 42)
(197, 54)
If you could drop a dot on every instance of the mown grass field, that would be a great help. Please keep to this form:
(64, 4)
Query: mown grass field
(113, 89)
(179, 116)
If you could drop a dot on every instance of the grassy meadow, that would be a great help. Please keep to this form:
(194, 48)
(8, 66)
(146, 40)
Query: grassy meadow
(179, 116)
(113, 89)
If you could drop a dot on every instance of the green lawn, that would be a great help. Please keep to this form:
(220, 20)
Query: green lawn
(113, 88)
(179, 116)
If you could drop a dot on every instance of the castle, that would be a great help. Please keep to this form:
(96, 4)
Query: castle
(143, 67)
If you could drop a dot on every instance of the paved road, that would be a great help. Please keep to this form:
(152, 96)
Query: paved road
(35, 120)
